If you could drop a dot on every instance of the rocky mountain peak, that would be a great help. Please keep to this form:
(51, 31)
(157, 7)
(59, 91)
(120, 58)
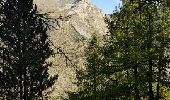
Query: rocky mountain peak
(77, 21)
(60, 3)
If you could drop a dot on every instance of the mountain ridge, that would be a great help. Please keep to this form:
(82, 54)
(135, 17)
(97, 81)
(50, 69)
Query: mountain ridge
(75, 26)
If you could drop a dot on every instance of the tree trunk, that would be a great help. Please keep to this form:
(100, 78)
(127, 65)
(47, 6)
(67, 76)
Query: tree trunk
(149, 46)
(151, 96)
(159, 74)
(25, 85)
(137, 97)
(21, 87)
(95, 85)
(158, 85)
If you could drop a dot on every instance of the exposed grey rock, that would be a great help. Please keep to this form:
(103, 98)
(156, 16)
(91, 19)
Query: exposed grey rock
(79, 19)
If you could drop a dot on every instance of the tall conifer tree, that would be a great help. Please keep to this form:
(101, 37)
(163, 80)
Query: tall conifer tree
(140, 39)
(24, 50)
(90, 78)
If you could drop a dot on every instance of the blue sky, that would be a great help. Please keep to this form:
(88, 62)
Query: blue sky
(106, 5)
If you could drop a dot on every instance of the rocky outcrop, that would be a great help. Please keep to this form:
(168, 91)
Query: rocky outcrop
(77, 21)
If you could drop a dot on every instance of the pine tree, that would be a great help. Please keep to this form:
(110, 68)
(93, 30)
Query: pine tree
(139, 40)
(90, 79)
(24, 50)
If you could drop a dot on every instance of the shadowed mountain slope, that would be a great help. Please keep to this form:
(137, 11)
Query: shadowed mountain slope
(77, 21)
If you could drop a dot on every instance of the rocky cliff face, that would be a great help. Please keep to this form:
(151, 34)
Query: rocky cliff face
(77, 21)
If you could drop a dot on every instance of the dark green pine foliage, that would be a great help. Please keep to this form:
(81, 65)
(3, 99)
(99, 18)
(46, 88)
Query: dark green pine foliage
(24, 49)
(133, 61)
(90, 79)
(136, 50)
(123, 55)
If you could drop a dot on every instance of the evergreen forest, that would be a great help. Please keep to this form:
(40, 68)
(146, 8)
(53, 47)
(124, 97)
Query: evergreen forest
(130, 62)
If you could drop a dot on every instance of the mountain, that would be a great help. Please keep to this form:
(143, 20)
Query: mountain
(76, 21)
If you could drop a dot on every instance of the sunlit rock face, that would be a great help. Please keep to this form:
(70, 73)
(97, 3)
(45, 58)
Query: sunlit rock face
(78, 20)
(60, 3)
